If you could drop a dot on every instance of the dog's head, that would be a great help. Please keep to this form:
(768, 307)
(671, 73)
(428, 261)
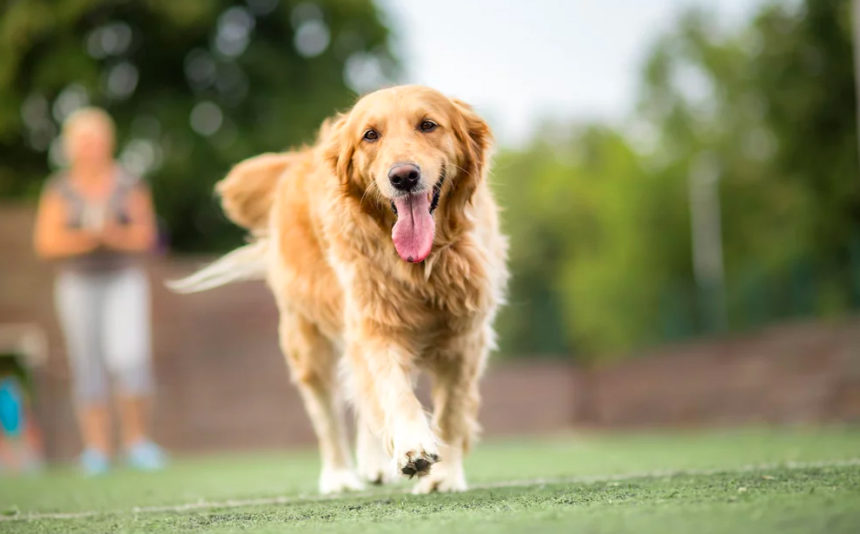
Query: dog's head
(415, 153)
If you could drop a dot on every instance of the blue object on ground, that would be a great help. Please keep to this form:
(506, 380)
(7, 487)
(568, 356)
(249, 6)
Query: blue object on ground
(146, 456)
(11, 407)
(94, 462)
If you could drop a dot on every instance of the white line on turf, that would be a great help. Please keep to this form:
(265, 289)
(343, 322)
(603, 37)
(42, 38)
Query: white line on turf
(583, 479)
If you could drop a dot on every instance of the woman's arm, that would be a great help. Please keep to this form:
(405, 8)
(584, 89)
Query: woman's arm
(139, 234)
(52, 237)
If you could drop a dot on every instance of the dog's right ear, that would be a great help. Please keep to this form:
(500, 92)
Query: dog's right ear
(337, 147)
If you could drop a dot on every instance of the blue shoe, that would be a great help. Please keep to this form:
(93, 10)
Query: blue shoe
(146, 456)
(93, 462)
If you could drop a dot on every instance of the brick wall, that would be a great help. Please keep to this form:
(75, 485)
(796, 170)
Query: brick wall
(786, 374)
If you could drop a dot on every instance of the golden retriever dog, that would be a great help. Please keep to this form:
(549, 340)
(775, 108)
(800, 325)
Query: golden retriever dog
(381, 244)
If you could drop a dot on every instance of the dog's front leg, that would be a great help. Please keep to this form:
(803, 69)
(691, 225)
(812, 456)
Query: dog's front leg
(456, 370)
(385, 399)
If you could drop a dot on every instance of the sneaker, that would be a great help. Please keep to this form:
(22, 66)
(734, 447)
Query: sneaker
(94, 462)
(146, 456)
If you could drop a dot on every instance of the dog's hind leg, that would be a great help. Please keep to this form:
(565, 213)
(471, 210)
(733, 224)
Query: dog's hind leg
(312, 360)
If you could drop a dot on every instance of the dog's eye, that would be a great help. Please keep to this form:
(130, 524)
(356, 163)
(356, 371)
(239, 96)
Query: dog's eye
(371, 135)
(427, 126)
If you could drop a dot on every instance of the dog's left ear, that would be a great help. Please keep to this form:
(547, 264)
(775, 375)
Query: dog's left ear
(475, 139)
(475, 135)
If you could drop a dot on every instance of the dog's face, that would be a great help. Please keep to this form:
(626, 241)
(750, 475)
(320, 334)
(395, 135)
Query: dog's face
(417, 153)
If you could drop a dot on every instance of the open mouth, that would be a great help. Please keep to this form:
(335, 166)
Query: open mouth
(415, 228)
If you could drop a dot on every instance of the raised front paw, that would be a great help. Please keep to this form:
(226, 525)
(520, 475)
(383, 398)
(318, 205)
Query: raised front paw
(416, 462)
(414, 449)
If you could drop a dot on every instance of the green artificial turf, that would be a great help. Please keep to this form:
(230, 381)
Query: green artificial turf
(799, 480)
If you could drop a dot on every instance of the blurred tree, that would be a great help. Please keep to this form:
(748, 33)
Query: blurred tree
(769, 108)
(600, 219)
(194, 85)
(805, 65)
(598, 246)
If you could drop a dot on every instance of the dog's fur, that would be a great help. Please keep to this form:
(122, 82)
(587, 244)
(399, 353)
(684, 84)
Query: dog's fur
(322, 219)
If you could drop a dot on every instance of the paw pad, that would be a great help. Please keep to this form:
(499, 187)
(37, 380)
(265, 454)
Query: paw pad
(419, 466)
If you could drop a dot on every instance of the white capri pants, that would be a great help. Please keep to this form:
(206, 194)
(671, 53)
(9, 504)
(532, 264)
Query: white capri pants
(105, 319)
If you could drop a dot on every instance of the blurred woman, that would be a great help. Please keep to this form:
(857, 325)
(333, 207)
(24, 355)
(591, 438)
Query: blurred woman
(95, 220)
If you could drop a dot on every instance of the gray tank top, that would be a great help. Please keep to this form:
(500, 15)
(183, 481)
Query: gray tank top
(82, 213)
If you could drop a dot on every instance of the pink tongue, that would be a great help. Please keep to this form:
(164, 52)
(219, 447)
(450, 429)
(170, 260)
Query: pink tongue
(414, 230)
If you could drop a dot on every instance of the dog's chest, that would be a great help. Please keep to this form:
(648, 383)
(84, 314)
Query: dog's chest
(449, 295)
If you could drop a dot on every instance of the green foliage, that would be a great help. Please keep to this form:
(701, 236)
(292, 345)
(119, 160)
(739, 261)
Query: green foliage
(805, 66)
(250, 76)
(769, 106)
(601, 239)
(597, 245)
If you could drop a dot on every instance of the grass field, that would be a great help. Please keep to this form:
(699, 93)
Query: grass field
(755, 480)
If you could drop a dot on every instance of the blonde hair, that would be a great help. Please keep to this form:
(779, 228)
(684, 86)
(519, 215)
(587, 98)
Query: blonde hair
(88, 115)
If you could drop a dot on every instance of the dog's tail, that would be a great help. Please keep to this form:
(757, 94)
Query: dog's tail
(247, 194)
(248, 191)
(244, 263)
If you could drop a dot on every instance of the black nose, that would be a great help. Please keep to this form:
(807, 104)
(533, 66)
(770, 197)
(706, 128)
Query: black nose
(404, 176)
